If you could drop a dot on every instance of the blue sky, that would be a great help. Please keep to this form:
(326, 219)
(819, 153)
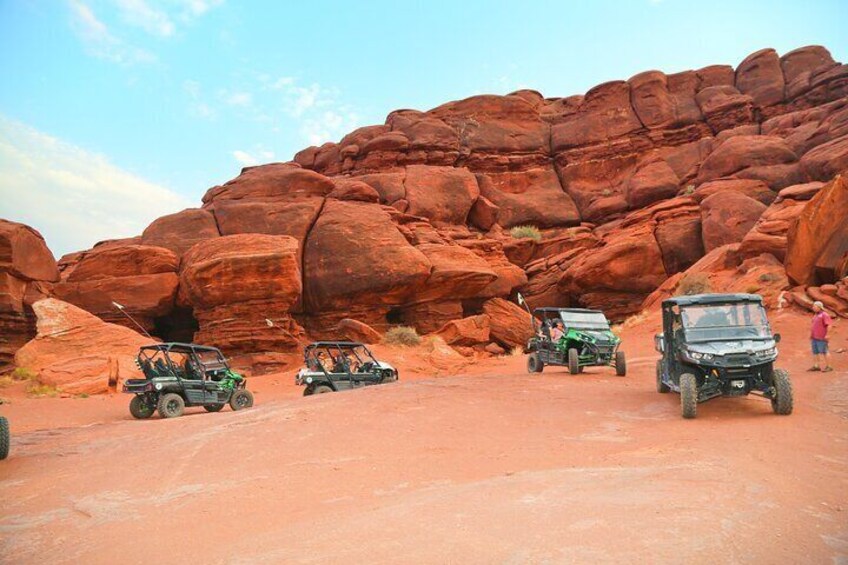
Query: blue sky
(114, 112)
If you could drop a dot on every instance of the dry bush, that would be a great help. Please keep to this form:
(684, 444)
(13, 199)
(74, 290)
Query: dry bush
(23, 374)
(516, 351)
(697, 283)
(526, 232)
(38, 389)
(402, 335)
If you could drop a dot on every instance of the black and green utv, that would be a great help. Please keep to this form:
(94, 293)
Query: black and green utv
(177, 375)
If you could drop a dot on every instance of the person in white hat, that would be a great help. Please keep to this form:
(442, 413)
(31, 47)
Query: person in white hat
(818, 338)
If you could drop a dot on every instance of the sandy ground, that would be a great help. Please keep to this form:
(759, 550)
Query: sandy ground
(491, 465)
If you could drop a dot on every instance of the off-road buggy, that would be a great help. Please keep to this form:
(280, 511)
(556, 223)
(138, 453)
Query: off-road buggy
(719, 345)
(5, 439)
(587, 341)
(177, 375)
(341, 365)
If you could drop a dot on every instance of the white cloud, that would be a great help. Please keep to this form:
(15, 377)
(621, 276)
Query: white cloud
(74, 197)
(99, 41)
(251, 159)
(242, 99)
(140, 14)
(197, 107)
(330, 125)
(196, 8)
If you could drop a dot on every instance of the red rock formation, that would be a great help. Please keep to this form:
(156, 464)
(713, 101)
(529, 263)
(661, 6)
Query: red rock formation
(357, 331)
(78, 353)
(727, 216)
(141, 278)
(509, 324)
(242, 288)
(27, 273)
(818, 241)
(407, 222)
(473, 330)
(178, 232)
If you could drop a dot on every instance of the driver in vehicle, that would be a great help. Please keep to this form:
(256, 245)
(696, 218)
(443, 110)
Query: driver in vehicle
(557, 331)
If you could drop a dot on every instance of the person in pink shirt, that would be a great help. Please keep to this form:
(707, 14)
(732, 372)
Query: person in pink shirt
(818, 338)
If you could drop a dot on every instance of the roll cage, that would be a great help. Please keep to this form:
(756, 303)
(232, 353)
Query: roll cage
(338, 357)
(181, 360)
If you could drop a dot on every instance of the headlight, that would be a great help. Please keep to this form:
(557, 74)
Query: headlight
(309, 380)
(158, 386)
(700, 356)
(767, 352)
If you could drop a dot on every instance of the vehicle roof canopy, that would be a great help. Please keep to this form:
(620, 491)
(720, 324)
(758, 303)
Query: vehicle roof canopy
(697, 299)
(568, 310)
(177, 347)
(339, 344)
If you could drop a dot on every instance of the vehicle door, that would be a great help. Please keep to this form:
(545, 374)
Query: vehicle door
(191, 378)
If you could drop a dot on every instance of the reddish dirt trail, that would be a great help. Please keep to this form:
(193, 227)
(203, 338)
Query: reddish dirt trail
(490, 466)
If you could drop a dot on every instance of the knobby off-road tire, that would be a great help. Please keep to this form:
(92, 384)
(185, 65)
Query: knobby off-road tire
(661, 386)
(534, 364)
(782, 403)
(171, 405)
(214, 407)
(140, 408)
(573, 362)
(321, 389)
(5, 438)
(241, 399)
(688, 395)
(620, 364)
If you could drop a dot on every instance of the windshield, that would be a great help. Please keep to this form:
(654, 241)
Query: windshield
(720, 322)
(585, 320)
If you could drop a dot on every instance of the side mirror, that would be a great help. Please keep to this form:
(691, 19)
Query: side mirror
(777, 338)
(659, 343)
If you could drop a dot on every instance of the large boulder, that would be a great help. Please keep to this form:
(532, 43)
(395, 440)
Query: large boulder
(826, 160)
(619, 274)
(442, 194)
(355, 255)
(242, 288)
(605, 113)
(509, 324)
(27, 273)
(178, 232)
(473, 330)
(533, 197)
(726, 217)
(271, 182)
(355, 330)
(141, 278)
(745, 151)
(24, 254)
(76, 352)
(818, 241)
(761, 77)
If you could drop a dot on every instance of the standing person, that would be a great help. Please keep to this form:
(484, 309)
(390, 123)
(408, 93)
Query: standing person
(818, 338)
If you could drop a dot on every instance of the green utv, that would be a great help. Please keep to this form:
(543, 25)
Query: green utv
(586, 341)
(177, 375)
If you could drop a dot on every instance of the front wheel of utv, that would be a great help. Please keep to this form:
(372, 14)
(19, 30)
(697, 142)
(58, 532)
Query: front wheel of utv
(534, 364)
(782, 401)
(573, 362)
(688, 395)
(661, 386)
(620, 364)
(5, 438)
(321, 389)
(171, 405)
(241, 399)
(140, 408)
